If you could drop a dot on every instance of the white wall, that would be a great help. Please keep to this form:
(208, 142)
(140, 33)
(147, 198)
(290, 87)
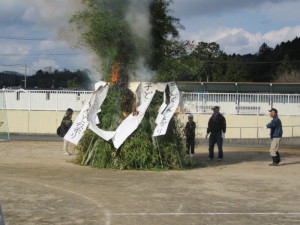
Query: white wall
(239, 126)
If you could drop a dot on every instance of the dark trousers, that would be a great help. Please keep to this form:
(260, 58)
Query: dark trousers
(190, 144)
(213, 139)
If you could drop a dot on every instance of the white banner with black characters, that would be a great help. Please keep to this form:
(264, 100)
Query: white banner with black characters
(81, 122)
(131, 123)
(95, 107)
(165, 116)
(88, 117)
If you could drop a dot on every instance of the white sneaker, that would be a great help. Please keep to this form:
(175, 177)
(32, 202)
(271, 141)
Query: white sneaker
(67, 153)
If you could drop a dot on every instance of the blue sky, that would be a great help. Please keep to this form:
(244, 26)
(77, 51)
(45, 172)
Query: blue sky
(239, 26)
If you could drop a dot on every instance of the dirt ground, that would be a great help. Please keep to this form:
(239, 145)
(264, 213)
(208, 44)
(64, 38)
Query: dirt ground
(39, 185)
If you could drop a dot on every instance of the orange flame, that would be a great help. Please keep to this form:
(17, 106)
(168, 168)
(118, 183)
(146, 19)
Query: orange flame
(115, 72)
(125, 114)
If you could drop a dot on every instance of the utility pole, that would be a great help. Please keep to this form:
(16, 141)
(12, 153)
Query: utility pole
(25, 80)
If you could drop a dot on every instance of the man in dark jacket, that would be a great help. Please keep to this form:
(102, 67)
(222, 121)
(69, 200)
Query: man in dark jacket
(276, 135)
(190, 128)
(216, 129)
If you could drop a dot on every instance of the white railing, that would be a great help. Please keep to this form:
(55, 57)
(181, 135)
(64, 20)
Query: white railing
(198, 103)
(45, 100)
(240, 103)
(253, 132)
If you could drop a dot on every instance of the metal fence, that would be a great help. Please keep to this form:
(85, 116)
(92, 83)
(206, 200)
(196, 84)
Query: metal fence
(253, 135)
(45, 100)
(251, 132)
(240, 103)
(198, 103)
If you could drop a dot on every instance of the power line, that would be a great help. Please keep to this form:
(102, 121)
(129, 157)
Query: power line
(35, 68)
(276, 62)
(12, 65)
(38, 54)
(249, 62)
(25, 38)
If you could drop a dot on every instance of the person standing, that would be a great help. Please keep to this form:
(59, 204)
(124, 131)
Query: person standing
(190, 128)
(276, 134)
(216, 130)
(65, 125)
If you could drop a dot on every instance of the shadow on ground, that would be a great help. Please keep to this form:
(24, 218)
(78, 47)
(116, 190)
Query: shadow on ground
(247, 155)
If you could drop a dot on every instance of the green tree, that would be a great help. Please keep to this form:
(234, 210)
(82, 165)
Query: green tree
(285, 67)
(72, 84)
(289, 77)
(236, 70)
(212, 60)
(264, 50)
(179, 64)
(163, 26)
(105, 31)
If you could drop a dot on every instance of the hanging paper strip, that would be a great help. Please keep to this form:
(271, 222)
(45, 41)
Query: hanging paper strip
(131, 123)
(161, 87)
(165, 117)
(80, 124)
(97, 99)
(88, 116)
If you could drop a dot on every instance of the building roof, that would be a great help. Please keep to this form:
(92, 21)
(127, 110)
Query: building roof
(240, 87)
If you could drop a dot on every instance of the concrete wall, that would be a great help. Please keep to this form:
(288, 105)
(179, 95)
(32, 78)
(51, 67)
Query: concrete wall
(34, 122)
(246, 126)
(240, 127)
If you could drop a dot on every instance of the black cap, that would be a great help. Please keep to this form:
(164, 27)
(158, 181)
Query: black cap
(69, 111)
(273, 110)
(215, 108)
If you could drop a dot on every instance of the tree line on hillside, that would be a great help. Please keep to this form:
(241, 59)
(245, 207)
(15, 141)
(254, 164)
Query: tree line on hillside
(174, 59)
(189, 61)
(65, 79)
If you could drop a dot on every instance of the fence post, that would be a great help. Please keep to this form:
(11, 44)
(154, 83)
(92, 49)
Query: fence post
(56, 101)
(29, 106)
(198, 102)
(292, 135)
(288, 101)
(240, 133)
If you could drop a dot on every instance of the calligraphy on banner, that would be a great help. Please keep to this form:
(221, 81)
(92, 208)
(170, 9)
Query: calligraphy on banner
(88, 115)
(164, 118)
(131, 123)
(81, 123)
(96, 101)
(75, 133)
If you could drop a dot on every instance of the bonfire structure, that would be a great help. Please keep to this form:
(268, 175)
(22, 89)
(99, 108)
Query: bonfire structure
(127, 123)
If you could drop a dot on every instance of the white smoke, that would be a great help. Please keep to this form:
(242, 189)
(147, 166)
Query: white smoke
(142, 73)
(138, 18)
(54, 17)
(51, 14)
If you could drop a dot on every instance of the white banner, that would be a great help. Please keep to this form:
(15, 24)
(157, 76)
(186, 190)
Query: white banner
(161, 110)
(88, 116)
(164, 118)
(97, 100)
(81, 122)
(131, 123)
